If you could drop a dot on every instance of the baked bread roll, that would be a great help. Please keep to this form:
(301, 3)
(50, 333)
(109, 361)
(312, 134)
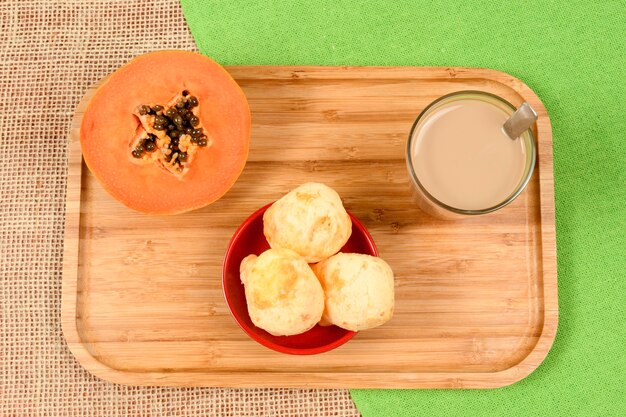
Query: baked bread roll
(283, 295)
(359, 291)
(310, 220)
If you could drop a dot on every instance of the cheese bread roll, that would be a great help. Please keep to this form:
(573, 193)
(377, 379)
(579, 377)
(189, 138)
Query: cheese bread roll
(310, 220)
(283, 294)
(359, 290)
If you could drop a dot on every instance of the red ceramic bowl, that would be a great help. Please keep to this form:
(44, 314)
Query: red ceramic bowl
(249, 239)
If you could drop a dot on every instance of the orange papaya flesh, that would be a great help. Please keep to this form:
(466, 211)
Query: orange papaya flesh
(149, 159)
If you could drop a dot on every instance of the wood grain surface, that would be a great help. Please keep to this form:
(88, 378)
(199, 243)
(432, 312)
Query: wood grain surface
(476, 299)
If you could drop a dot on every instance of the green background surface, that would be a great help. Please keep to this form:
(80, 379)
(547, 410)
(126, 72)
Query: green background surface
(573, 55)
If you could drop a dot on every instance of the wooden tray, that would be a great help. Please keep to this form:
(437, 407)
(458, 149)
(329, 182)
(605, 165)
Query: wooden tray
(476, 300)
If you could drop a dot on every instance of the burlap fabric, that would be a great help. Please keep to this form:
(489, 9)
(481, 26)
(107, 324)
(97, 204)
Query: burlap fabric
(50, 52)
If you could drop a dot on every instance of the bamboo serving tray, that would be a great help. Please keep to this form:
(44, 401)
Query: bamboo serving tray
(476, 300)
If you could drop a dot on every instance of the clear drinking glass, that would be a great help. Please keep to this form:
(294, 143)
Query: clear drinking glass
(424, 197)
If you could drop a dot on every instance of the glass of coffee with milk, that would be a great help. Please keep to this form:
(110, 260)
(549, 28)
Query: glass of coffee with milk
(470, 153)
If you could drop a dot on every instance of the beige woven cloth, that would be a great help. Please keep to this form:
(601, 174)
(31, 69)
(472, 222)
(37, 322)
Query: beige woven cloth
(50, 52)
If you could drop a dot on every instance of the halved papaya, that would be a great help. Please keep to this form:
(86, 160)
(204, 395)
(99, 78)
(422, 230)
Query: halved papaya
(167, 133)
